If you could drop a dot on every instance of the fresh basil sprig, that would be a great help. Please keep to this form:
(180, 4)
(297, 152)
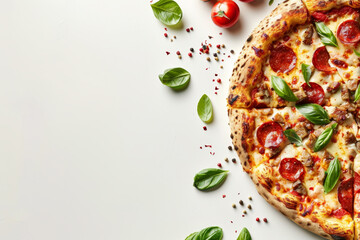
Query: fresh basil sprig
(244, 234)
(210, 178)
(282, 89)
(324, 138)
(167, 11)
(205, 109)
(293, 137)
(357, 53)
(176, 78)
(314, 113)
(357, 93)
(326, 35)
(306, 71)
(210, 233)
(332, 175)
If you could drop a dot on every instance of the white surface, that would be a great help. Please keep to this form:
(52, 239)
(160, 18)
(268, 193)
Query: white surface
(93, 146)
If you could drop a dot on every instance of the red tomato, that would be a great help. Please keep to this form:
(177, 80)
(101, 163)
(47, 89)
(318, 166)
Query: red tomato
(225, 13)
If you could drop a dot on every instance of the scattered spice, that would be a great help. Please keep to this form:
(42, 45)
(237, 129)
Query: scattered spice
(249, 207)
(265, 220)
(174, 37)
(178, 53)
(241, 202)
(192, 29)
(188, 29)
(208, 59)
(250, 198)
(233, 160)
(229, 147)
(191, 50)
(218, 51)
(166, 35)
(232, 51)
(223, 46)
(244, 212)
(219, 165)
(258, 219)
(205, 128)
(216, 59)
(226, 160)
(216, 88)
(218, 46)
(215, 54)
(190, 54)
(210, 37)
(224, 196)
(234, 205)
(219, 81)
(221, 67)
(167, 53)
(165, 29)
(179, 57)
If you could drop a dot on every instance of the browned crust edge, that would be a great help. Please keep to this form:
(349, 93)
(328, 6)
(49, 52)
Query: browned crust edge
(248, 68)
(325, 5)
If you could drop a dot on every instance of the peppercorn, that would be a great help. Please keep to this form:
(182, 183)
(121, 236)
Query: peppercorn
(249, 207)
(178, 53)
(250, 198)
(188, 29)
(223, 46)
(232, 51)
(265, 220)
(216, 59)
(221, 67)
(215, 54)
(208, 59)
(191, 50)
(174, 37)
(234, 205)
(229, 147)
(233, 160)
(204, 47)
(190, 54)
(258, 219)
(226, 160)
(218, 51)
(180, 57)
(165, 34)
(192, 29)
(244, 212)
(241, 202)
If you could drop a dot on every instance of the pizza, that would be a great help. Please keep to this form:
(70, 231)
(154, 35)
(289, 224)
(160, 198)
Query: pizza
(294, 112)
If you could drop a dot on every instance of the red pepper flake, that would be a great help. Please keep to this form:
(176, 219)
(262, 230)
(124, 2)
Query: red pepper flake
(212, 153)
(216, 88)
(235, 231)
(231, 221)
(178, 53)
(167, 53)
(200, 147)
(165, 34)
(258, 219)
(218, 46)
(165, 29)
(209, 146)
(192, 29)
(220, 33)
(233, 160)
(219, 165)
(219, 80)
(205, 128)
(243, 215)
(190, 54)
(216, 93)
(228, 56)
(216, 74)
(265, 220)
(188, 29)
(213, 80)
(201, 50)
(224, 196)
(206, 51)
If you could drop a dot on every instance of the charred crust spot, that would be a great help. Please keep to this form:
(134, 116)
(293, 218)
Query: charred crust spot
(335, 237)
(231, 136)
(236, 148)
(246, 127)
(232, 99)
(233, 87)
(236, 132)
(249, 38)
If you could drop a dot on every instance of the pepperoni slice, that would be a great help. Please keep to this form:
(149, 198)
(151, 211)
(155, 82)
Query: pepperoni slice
(282, 59)
(320, 60)
(356, 183)
(349, 31)
(291, 169)
(270, 134)
(345, 194)
(319, 17)
(339, 213)
(314, 94)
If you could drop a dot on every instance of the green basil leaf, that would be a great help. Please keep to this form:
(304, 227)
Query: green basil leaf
(356, 53)
(192, 236)
(271, 2)
(282, 89)
(306, 71)
(210, 233)
(326, 35)
(314, 113)
(357, 93)
(210, 178)
(293, 137)
(332, 175)
(244, 234)
(176, 78)
(324, 138)
(167, 11)
(205, 109)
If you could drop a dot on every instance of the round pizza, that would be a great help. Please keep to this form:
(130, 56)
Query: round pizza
(294, 110)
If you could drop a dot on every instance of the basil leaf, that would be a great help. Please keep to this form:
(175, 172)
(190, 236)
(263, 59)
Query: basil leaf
(293, 137)
(192, 236)
(357, 93)
(324, 138)
(314, 113)
(306, 71)
(356, 53)
(271, 2)
(205, 109)
(167, 11)
(210, 178)
(210, 233)
(282, 89)
(244, 234)
(176, 78)
(326, 35)
(332, 175)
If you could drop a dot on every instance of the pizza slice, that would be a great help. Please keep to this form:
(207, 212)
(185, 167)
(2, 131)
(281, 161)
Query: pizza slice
(281, 150)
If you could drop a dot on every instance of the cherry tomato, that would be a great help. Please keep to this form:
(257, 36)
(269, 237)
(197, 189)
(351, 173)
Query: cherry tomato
(225, 13)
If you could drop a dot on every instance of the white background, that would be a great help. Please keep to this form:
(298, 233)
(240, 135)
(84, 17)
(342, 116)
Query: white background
(93, 146)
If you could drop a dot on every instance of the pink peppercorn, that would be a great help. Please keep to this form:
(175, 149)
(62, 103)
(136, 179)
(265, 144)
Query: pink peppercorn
(205, 128)
(224, 196)
(258, 219)
(165, 34)
(178, 52)
(190, 54)
(167, 53)
(192, 29)
(219, 165)
(265, 220)
(188, 29)
(218, 46)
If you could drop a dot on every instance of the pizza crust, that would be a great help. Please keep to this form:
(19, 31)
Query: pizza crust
(324, 5)
(248, 67)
